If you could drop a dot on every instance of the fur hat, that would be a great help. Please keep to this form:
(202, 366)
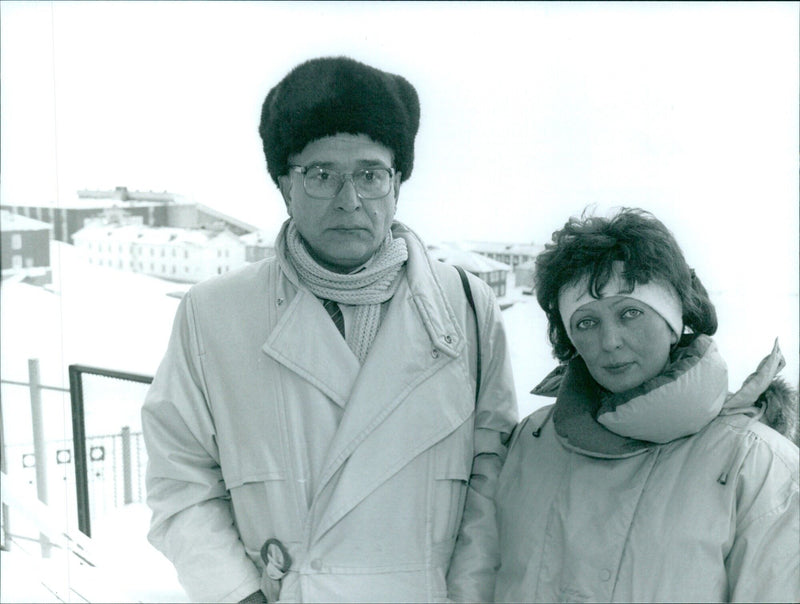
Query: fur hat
(327, 96)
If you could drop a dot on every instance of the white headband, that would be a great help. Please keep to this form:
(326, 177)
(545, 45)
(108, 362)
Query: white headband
(659, 296)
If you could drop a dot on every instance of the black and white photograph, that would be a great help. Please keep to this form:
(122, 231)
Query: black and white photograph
(399, 301)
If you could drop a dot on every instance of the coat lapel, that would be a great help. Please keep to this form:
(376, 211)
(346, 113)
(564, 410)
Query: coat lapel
(382, 428)
(306, 341)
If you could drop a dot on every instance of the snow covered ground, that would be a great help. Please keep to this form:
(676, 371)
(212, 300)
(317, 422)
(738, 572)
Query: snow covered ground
(112, 319)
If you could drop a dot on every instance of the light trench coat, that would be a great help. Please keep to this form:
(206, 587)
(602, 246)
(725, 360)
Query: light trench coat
(261, 424)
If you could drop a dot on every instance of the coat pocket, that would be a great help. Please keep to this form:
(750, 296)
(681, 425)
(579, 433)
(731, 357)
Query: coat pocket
(451, 479)
(262, 509)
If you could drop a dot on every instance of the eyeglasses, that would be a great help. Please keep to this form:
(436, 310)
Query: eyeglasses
(324, 183)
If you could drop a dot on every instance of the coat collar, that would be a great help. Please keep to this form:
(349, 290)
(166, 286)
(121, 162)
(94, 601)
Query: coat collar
(421, 329)
(307, 342)
(430, 338)
(677, 403)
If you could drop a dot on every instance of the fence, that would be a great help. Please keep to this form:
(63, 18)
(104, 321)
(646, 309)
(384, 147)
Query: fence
(98, 469)
(76, 386)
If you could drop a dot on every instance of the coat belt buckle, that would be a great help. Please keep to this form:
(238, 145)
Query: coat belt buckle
(276, 558)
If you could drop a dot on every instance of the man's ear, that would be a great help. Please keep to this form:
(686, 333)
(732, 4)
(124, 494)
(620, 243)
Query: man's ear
(396, 185)
(285, 185)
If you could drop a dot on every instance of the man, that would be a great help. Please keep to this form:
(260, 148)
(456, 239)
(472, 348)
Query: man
(313, 431)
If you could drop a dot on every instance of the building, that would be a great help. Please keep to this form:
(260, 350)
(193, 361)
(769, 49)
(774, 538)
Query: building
(185, 255)
(491, 271)
(25, 247)
(259, 245)
(155, 209)
(523, 274)
(512, 254)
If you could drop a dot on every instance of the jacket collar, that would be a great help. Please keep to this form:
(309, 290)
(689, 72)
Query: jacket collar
(677, 403)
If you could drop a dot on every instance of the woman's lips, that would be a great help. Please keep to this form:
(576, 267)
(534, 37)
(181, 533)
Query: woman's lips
(617, 368)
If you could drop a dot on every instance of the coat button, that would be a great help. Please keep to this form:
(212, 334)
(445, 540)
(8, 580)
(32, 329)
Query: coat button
(448, 338)
(316, 564)
(279, 301)
(435, 353)
(605, 574)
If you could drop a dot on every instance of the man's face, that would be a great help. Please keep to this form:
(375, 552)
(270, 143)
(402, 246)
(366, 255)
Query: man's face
(343, 232)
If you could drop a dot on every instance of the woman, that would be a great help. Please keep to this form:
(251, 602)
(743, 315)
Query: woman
(647, 480)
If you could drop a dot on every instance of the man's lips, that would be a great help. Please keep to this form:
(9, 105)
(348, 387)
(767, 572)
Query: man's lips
(346, 228)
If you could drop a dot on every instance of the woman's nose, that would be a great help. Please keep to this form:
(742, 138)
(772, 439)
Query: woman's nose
(611, 337)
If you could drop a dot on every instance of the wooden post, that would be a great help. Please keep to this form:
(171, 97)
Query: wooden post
(127, 474)
(39, 446)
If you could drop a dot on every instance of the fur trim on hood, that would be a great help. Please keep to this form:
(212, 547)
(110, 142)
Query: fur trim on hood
(780, 404)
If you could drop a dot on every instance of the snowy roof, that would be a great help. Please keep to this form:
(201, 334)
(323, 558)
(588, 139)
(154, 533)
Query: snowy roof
(10, 221)
(527, 265)
(470, 261)
(260, 238)
(151, 235)
(504, 248)
(88, 204)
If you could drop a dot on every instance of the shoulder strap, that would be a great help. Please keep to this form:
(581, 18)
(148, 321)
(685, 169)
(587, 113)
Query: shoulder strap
(468, 292)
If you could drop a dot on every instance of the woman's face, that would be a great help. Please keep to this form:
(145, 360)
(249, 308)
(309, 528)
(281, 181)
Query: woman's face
(623, 341)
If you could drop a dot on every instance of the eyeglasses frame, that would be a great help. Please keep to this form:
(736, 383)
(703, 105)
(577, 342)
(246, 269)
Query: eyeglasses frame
(345, 175)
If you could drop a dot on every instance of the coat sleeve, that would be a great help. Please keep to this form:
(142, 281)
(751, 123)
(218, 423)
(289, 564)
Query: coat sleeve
(476, 557)
(192, 522)
(763, 564)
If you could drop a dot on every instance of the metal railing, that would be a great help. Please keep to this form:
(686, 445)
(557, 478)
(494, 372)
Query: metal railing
(79, 439)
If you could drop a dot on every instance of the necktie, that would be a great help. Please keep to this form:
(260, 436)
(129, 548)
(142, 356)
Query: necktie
(336, 314)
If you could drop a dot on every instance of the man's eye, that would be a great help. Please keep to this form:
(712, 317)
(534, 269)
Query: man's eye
(368, 175)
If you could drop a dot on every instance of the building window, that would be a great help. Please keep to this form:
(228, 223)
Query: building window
(16, 241)
(16, 261)
(186, 254)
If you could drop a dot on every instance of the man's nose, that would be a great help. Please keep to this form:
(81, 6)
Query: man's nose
(348, 199)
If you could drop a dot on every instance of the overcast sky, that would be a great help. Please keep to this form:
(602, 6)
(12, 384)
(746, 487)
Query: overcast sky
(530, 111)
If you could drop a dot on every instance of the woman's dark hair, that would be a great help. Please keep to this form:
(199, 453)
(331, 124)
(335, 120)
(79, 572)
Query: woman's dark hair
(589, 245)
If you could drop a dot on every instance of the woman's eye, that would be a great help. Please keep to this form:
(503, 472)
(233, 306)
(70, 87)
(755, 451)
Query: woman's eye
(631, 313)
(585, 324)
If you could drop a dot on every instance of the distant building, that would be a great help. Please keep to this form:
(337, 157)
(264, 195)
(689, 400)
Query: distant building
(155, 209)
(523, 274)
(186, 255)
(25, 247)
(491, 271)
(512, 254)
(258, 246)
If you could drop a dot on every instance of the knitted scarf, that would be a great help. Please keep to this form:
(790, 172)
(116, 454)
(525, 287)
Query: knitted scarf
(367, 289)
